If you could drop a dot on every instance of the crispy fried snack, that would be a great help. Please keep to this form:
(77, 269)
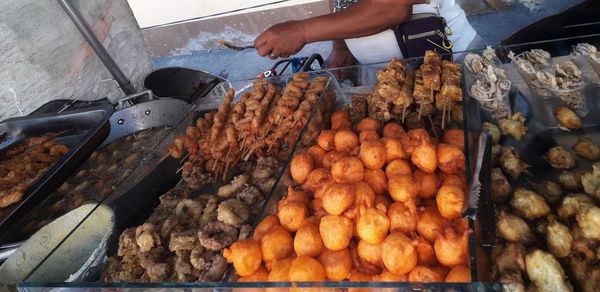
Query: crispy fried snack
(345, 140)
(245, 255)
(450, 201)
(280, 270)
(403, 217)
(336, 231)
(338, 198)
(276, 244)
(292, 215)
(426, 183)
(337, 264)
(264, 226)
(372, 225)
(425, 274)
(398, 253)
(307, 240)
(451, 248)
(306, 269)
(402, 188)
(347, 170)
(371, 253)
(567, 118)
(459, 274)
(376, 180)
(373, 154)
(301, 166)
(545, 272)
(396, 167)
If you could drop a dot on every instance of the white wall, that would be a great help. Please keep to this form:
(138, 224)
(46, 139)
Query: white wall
(158, 12)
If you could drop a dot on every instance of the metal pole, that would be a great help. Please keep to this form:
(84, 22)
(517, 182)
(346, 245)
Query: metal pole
(88, 34)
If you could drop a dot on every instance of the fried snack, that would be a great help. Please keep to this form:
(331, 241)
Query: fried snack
(425, 252)
(336, 231)
(589, 221)
(276, 244)
(393, 149)
(368, 124)
(364, 195)
(587, 149)
(455, 137)
(368, 135)
(559, 239)
(451, 248)
(459, 274)
(426, 184)
(307, 241)
(424, 157)
(345, 140)
(261, 275)
(387, 276)
(450, 201)
(425, 274)
(545, 272)
(402, 188)
(348, 170)
(331, 157)
(550, 190)
(280, 270)
(560, 158)
(338, 116)
(396, 167)
(403, 217)
(372, 225)
(567, 118)
(306, 269)
(326, 140)
(514, 229)
(264, 226)
(341, 124)
(511, 163)
(451, 159)
(337, 264)
(295, 196)
(398, 253)
(376, 180)
(393, 130)
(493, 130)
(574, 204)
(245, 255)
(513, 126)
(372, 154)
(452, 180)
(338, 198)
(382, 201)
(528, 204)
(501, 189)
(371, 253)
(318, 181)
(358, 276)
(292, 214)
(317, 154)
(430, 223)
(301, 165)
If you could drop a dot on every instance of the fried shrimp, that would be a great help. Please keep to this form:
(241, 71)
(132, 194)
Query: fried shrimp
(301, 166)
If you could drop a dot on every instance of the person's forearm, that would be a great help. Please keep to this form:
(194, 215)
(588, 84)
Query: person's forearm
(362, 19)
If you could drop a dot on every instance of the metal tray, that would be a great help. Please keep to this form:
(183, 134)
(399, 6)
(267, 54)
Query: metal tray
(84, 130)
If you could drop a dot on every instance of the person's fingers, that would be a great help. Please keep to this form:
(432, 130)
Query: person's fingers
(264, 50)
(285, 55)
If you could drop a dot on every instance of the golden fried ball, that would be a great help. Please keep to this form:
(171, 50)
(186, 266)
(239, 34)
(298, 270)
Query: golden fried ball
(372, 154)
(326, 140)
(292, 215)
(277, 244)
(338, 198)
(393, 149)
(459, 274)
(376, 179)
(452, 180)
(331, 157)
(341, 124)
(316, 207)
(264, 226)
(419, 135)
(294, 195)
(345, 140)
(308, 241)
(348, 170)
(425, 252)
(450, 201)
(337, 264)
(336, 231)
(280, 270)
(426, 183)
(455, 137)
(306, 269)
(364, 195)
(368, 136)
(425, 274)
(358, 276)
(393, 130)
(368, 124)
(261, 275)
(373, 225)
(398, 166)
(451, 248)
(245, 255)
(424, 157)
(301, 165)
(340, 115)
(317, 181)
(403, 217)
(402, 188)
(398, 253)
(382, 201)
(451, 159)
(387, 276)
(371, 253)
(317, 154)
(430, 223)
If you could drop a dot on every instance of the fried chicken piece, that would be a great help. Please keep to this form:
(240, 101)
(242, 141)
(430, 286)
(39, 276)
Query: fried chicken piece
(591, 181)
(558, 239)
(127, 243)
(560, 158)
(511, 163)
(210, 211)
(550, 190)
(238, 182)
(217, 235)
(567, 118)
(185, 240)
(571, 181)
(587, 276)
(574, 204)
(501, 189)
(513, 126)
(508, 257)
(265, 167)
(233, 212)
(589, 221)
(250, 196)
(513, 228)
(494, 131)
(218, 265)
(529, 204)
(587, 149)
(146, 237)
(545, 272)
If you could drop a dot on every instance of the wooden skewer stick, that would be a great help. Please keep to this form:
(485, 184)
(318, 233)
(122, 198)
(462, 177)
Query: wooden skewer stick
(180, 169)
(432, 126)
(184, 157)
(404, 113)
(226, 162)
(420, 109)
(444, 116)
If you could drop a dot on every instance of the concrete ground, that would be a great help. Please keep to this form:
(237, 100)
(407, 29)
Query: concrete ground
(233, 65)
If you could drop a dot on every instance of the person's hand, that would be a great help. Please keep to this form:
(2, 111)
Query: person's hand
(340, 56)
(281, 40)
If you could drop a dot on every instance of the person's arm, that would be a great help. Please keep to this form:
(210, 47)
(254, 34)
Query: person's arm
(366, 17)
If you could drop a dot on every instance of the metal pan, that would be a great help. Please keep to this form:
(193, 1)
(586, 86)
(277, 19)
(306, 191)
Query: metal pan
(184, 83)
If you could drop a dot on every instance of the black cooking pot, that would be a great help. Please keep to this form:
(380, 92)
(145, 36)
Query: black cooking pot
(178, 82)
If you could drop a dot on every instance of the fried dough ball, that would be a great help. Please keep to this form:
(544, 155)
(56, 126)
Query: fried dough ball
(451, 249)
(368, 136)
(587, 149)
(373, 225)
(425, 274)
(529, 205)
(393, 130)
(318, 181)
(358, 276)
(337, 264)
(306, 269)
(295, 196)
(397, 166)
(419, 135)
(276, 244)
(560, 158)
(459, 274)
(546, 272)
(308, 241)
(559, 239)
(382, 201)
(387, 276)
(513, 228)
(245, 255)
(336, 231)
(340, 115)
(567, 118)
(280, 270)
(345, 140)
(348, 170)
(364, 195)
(403, 217)
(368, 124)
(371, 253)
(451, 159)
(341, 124)
(402, 188)
(261, 275)
(425, 252)
(452, 180)
(331, 157)
(338, 198)
(494, 131)
(430, 223)
(372, 154)
(317, 153)
(301, 166)
(360, 264)
(450, 201)
(398, 253)
(455, 137)
(376, 179)
(292, 214)
(264, 226)
(424, 157)
(426, 183)
(326, 140)
(393, 149)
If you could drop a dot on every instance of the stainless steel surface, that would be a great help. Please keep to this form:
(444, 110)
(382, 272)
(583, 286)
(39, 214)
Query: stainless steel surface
(470, 209)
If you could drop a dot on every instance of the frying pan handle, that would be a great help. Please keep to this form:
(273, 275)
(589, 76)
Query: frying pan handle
(134, 96)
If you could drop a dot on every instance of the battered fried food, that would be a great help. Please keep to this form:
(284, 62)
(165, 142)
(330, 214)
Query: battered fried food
(450, 201)
(589, 221)
(295, 196)
(508, 257)
(376, 180)
(331, 157)
(364, 195)
(264, 226)
(455, 137)
(501, 189)
(371, 253)
(306, 269)
(276, 244)
(587, 149)
(368, 136)
(387, 276)
(301, 166)
(528, 204)
(574, 204)
(307, 241)
(513, 126)
(326, 140)
(514, 229)
(403, 217)
(336, 231)
(345, 140)
(550, 190)
(348, 170)
(393, 130)
(426, 184)
(337, 264)
(233, 212)
(511, 163)
(372, 154)
(397, 166)
(567, 119)
(424, 157)
(398, 253)
(425, 252)
(338, 198)
(459, 274)
(292, 215)
(451, 159)
(451, 248)
(545, 272)
(317, 181)
(571, 181)
(372, 225)
(393, 149)
(430, 223)
(317, 154)
(559, 239)
(245, 255)
(368, 124)
(402, 188)
(425, 274)
(280, 270)
(493, 130)
(560, 158)
(261, 275)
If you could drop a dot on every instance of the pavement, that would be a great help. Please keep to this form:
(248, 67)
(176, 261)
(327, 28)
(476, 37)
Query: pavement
(493, 28)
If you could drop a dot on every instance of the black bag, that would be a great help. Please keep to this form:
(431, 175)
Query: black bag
(424, 31)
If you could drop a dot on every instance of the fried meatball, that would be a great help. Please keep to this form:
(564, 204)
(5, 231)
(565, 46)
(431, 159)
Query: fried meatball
(368, 136)
(430, 223)
(331, 157)
(368, 124)
(387, 276)
(280, 270)
(559, 239)
(317, 153)
(426, 183)
(318, 181)
(589, 221)
(371, 253)
(393, 130)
